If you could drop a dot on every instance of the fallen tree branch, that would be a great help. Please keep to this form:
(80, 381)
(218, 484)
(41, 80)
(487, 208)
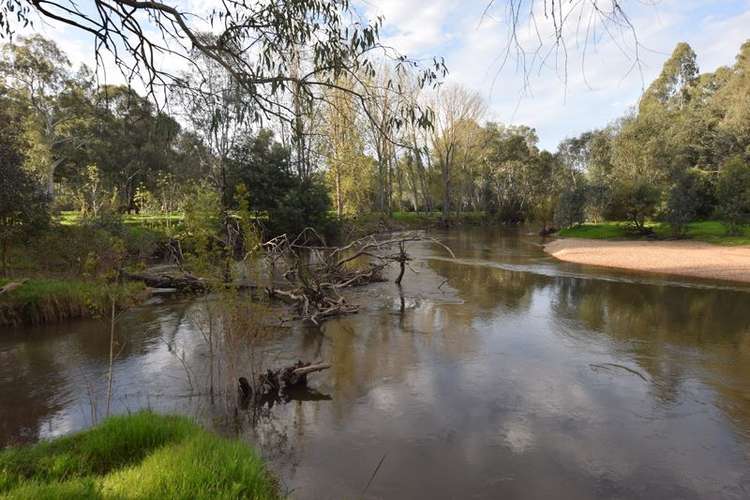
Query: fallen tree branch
(317, 273)
(276, 384)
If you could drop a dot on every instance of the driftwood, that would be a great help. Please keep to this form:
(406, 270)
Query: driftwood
(282, 384)
(9, 287)
(317, 273)
(183, 283)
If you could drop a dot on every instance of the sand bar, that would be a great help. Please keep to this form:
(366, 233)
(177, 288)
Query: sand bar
(683, 258)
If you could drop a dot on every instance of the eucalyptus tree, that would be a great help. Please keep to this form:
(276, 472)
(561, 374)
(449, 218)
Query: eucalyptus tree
(22, 200)
(37, 73)
(256, 42)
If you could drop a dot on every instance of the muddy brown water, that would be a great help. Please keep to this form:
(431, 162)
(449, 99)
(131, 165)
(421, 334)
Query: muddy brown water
(502, 374)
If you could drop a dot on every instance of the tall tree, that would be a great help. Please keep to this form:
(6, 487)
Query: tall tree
(38, 72)
(457, 108)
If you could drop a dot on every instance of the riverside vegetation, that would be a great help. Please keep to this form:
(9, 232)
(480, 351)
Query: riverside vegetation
(143, 455)
(315, 128)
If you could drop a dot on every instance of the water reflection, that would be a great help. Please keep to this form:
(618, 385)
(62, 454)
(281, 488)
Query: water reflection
(501, 374)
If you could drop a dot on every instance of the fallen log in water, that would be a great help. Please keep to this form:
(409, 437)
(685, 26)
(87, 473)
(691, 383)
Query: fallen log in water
(317, 274)
(275, 384)
(182, 283)
(9, 287)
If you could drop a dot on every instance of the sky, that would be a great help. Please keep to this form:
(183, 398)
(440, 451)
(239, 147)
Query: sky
(558, 99)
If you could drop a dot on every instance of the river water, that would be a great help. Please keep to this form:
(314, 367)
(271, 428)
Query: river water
(501, 374)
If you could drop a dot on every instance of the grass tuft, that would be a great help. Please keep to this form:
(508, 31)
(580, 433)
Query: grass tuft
(144, 455)
(40, 301)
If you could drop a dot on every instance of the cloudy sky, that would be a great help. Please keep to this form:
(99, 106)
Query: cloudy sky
(557, 99)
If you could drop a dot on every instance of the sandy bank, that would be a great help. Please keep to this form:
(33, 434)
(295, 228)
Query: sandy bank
(684, 258)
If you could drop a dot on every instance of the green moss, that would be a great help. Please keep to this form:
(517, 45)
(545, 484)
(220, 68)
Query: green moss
(138, 456)
(40, 301)
(708, 231)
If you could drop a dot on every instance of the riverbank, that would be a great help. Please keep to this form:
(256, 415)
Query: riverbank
(138, 456)
(682, 258)
(706, 231)
(50, 300)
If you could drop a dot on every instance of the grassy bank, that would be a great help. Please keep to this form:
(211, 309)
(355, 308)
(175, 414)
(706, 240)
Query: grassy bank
(39, 301)
(708, 231)
(139, 456)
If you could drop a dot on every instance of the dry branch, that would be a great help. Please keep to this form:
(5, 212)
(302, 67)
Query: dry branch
(316, 272)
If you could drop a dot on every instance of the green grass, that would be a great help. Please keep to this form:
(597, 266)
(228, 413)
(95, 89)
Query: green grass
(43, 300)
(138, 456)
(708, 231)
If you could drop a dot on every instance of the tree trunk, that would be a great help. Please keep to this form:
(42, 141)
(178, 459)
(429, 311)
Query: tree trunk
(51, 177)
(339, 201)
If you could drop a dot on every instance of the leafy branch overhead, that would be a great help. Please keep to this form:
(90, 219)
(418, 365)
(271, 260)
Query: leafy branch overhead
(273, 49)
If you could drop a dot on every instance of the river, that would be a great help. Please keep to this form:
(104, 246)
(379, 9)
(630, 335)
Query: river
(501, 374)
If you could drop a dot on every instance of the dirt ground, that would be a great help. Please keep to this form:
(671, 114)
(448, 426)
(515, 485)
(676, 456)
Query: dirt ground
(683, 258)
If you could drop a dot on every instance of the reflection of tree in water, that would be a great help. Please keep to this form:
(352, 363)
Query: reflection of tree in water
(484, 288)
(59, 365)
(673, 333)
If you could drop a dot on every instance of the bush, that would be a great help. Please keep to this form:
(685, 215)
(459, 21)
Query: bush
(636, 201)
(733, 192)
(571, 206)
(683, 201)
(305, 205)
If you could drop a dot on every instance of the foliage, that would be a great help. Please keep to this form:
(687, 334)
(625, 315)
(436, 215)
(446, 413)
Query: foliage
(39, 301)
(683, 201)
(637, 201)
(307, 204)
(143, 455)
(23, 205)
(708, 231)
(571, 204)
(733, 192)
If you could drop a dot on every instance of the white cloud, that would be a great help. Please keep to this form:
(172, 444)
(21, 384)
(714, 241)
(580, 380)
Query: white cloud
(562, 100)
(556, 103)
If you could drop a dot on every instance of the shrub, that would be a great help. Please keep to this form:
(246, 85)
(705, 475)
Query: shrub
(733, 192)
(305, 205)
(571, 205)
(637, 201)
(683, 201)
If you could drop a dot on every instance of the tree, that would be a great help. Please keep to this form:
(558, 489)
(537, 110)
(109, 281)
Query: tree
(38, 73)
(257, 43)
(571, 206)
(457, 109)
(733, 192)
(637, 200)
(672, 88)
(683, 201)
(348, 166)
(23, 205)
(264, 167)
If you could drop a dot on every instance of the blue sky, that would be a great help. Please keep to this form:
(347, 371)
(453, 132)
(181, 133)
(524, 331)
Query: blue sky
(595, 91)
